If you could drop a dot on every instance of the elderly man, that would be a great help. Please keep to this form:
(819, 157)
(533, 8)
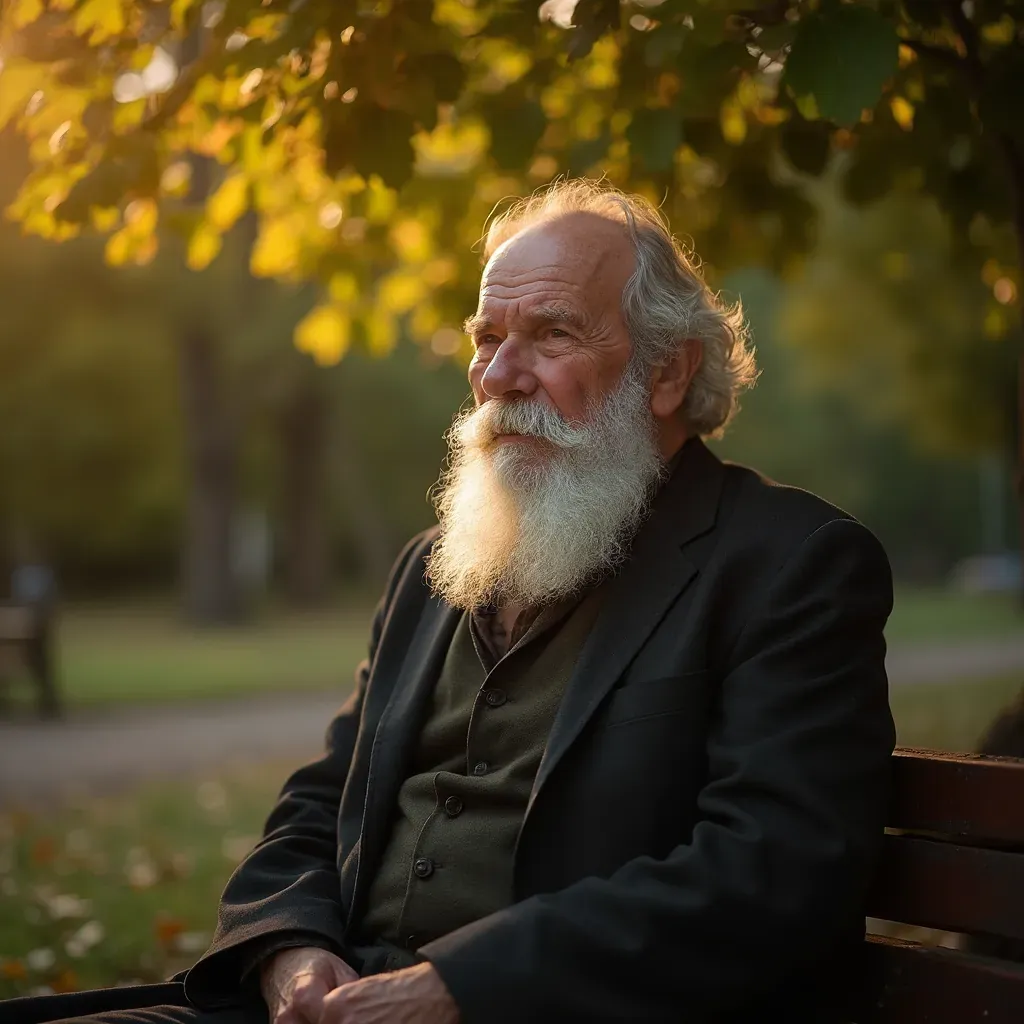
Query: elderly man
(621, 746)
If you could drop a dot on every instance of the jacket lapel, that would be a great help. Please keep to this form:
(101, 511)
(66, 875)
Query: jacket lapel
(395, 739)
(657, 572)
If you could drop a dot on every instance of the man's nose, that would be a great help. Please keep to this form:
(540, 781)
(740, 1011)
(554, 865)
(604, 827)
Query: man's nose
(508, 374)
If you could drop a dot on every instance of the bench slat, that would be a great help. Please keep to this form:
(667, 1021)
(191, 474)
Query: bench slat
(972, 796)
(950, 887)
(908, 982)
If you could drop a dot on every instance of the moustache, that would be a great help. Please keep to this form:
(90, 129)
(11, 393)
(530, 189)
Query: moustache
(484, 425)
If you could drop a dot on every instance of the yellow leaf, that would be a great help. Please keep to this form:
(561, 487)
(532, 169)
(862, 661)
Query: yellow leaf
(424, 321)
(733, 121)
(381, 332)
(343, 287)
(902, 112)
(381, 201)
(179, 11)
(141, 216)
(266, 26)
(118, 249)
(101, 19)
(324, 333)
(1001, 32)
(411, 240)
(229, 202)
(400, 291)
(203, 247)
(104, 218)
(277, 250)
(18, 81)
(24, 12)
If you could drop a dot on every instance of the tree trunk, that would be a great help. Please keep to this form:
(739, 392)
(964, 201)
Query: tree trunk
(372, 536)
(210, 593)
(304, 439)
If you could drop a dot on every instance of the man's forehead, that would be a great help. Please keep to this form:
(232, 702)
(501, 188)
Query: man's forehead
(581, 242)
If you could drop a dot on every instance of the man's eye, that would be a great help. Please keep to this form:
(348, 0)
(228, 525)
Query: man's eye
(488, 339)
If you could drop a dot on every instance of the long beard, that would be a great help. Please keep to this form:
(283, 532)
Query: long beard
(527, 523)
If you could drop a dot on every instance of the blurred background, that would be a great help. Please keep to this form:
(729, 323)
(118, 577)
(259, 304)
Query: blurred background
(226, 366)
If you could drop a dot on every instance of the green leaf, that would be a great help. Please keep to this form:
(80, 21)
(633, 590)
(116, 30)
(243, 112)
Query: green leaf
(806, 144)
(130, 167)
(591, 19)
(654, 136)
(447, 73)
(843, 58)
(584, 153)
(1000, 105)
(516, 127)
(663, 45)
(868, 178)
(382, 141)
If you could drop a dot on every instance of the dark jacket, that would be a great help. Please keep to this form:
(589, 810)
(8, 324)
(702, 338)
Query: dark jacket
(710, 804)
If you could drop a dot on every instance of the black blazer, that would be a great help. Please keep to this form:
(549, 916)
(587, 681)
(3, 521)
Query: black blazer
(710, 804)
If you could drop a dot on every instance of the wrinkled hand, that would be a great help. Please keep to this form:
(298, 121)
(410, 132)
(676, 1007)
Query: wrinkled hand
(295, 983)
(415, 995)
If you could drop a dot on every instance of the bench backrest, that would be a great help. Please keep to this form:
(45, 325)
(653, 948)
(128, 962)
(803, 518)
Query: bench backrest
(953, 860)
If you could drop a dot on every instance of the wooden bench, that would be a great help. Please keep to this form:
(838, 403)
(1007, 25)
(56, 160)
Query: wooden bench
(953, 861)
(28, 630)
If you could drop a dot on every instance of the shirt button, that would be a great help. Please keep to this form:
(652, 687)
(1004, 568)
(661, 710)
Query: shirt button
(423, 868)
(480, 768)
(495, 698)
(453, 807)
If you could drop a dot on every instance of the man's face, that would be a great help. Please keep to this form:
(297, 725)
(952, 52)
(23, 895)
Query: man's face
(549, 325)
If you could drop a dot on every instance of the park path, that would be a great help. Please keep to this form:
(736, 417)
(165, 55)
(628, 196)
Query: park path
(111, 750)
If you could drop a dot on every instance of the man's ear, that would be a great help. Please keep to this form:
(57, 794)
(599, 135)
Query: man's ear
(671, 381)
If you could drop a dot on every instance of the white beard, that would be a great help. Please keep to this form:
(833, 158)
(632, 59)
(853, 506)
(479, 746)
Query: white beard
(525, 524)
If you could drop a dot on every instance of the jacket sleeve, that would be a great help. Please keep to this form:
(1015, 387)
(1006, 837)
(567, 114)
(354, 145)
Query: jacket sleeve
(776, 872)
(289, 883)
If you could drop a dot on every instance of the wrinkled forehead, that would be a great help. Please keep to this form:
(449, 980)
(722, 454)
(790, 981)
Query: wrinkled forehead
(582, 251)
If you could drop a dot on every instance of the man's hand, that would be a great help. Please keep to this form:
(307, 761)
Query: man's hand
(295, 983)
(415, 995)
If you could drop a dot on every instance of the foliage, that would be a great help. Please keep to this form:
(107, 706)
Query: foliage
(370, 139)
(888, 313)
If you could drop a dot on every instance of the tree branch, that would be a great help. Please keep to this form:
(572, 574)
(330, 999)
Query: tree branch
(940, 53)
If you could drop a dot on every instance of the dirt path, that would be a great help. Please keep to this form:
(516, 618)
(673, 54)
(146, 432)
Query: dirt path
(89, 752)
(113, 750)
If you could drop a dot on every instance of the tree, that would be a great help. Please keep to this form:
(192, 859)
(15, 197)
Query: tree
(369, 140)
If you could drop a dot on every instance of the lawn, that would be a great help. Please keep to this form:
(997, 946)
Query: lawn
(140, 653)
(924, 614)
(125, 889)
(122, 654)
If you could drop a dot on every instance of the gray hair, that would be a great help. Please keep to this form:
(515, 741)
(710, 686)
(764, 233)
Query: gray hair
(665, 301)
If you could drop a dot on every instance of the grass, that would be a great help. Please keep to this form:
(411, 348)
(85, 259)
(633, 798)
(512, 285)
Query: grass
(933, 614)
(126, 889)
(123, 890)
(950, 716)
(137, 654)
(119, 654)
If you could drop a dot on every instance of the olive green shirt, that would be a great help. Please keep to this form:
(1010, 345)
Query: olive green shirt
(450, 855)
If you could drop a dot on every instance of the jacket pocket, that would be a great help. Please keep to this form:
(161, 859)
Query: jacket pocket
(654, 698)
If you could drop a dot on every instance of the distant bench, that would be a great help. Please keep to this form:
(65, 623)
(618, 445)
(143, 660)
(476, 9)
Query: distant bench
(28, 630)
(953, 861)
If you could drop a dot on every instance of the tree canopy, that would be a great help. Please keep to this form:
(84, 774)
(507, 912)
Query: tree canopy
(365, 141)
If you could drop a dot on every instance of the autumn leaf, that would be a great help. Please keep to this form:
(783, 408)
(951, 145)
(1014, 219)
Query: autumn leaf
(324, 333)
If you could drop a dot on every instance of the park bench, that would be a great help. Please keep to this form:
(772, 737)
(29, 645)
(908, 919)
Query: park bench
(952, 862)
(27, 631)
